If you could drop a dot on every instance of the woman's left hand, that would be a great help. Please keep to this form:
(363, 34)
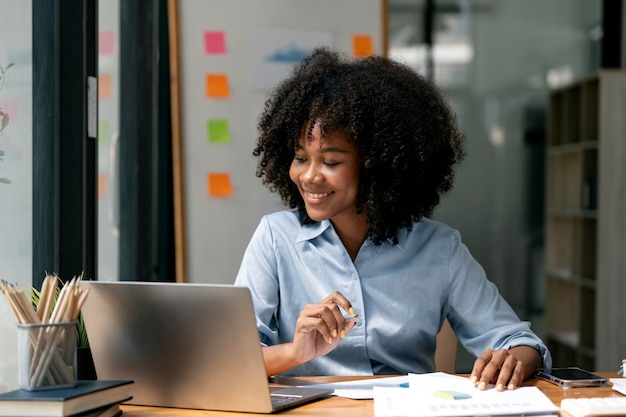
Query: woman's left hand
(505, 368)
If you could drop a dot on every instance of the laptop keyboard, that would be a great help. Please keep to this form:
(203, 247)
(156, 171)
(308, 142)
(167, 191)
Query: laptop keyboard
(280, 400)
(580, 407)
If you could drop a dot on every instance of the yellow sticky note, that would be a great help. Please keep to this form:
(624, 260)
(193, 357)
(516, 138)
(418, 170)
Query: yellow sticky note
(219, 184)
(217, 131)
(217, 85)
(362, 45)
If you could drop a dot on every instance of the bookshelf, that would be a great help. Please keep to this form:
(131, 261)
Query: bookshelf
(586, 222)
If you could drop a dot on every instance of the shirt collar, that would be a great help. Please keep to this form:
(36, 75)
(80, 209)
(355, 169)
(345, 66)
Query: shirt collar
(309, 231)
(402, 239)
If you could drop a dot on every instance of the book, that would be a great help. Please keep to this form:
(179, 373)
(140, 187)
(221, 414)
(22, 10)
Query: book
(112, 410)
(65, 402)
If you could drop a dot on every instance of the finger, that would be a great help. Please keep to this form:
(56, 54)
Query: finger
(491, 370)
(347, 327)
(335, 302)
(316, 317)
(307, 323)
(326, 318)
(506, 372)
(339, 299)
(334, 320)
(479, 365)
(517, 374)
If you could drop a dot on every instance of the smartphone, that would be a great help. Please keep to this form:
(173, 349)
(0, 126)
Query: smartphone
(571, 377)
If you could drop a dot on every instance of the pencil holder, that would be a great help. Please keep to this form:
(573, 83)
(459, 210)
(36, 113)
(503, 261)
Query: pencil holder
(46, 355)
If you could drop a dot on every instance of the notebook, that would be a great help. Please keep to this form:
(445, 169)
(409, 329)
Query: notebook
(184, 345)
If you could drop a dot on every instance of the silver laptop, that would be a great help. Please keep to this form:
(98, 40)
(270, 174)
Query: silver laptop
(184, 345)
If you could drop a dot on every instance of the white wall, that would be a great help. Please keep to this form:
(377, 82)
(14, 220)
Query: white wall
(218, 228)
(15, 198)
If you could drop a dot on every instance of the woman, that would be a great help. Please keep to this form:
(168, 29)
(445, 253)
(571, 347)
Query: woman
(362, 151)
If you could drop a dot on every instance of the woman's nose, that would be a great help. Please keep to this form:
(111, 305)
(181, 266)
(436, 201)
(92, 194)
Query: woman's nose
(311, 174)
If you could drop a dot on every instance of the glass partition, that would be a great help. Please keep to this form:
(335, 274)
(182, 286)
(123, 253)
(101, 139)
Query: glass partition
(15, 168)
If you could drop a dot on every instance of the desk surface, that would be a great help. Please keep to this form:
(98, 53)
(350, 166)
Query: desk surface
(339, 406)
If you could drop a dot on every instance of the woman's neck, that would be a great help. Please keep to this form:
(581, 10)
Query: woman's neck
(352, 233)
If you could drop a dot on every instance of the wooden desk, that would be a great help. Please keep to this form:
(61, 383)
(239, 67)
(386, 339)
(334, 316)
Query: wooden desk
(339, 406)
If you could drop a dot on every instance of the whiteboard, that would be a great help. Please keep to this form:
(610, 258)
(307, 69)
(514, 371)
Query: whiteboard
(230, 53)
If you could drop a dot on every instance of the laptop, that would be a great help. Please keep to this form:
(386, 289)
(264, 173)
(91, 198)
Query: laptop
(185, 346)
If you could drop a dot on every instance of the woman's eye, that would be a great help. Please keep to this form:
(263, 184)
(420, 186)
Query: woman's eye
(331, 164)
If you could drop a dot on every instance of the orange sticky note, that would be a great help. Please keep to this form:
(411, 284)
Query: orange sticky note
(362, 45)
(104, 85)
(217, 85)
(219, 184)
(102, 185)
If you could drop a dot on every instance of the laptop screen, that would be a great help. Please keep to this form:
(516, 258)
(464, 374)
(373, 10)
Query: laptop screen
(184, 345)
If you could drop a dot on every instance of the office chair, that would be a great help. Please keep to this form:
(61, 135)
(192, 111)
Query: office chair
(445, 352)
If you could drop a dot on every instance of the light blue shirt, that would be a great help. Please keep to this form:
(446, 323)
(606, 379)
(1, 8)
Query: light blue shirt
(402, 292)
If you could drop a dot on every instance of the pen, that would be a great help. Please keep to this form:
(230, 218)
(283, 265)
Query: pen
(350, 317)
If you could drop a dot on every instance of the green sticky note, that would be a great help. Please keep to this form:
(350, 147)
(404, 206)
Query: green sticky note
(218, 131)
(103, 131)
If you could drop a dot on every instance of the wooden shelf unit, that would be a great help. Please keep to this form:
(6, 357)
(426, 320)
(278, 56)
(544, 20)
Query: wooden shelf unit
(585, 222)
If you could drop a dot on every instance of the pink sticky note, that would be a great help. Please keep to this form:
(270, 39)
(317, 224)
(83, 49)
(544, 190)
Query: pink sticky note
(106, 43)
(214, 42)
(10, 108)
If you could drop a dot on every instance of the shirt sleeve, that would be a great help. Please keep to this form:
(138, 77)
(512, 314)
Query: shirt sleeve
(258, 272)
(480, 316)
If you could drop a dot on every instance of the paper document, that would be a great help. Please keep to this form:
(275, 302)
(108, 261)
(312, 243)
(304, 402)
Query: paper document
(440, 394)
(363, 389)
(619, 384)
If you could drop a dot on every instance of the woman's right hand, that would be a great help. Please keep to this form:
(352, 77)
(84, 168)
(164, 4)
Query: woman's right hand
(320, 327)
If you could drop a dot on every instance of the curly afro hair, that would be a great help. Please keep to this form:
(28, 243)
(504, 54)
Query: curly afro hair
(406, 133)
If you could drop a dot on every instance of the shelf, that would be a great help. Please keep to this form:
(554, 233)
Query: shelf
(570, 339)
(573, 213)
(571, 246)
(567, 276)
(572, 177)
(572, 147)
(585, 229)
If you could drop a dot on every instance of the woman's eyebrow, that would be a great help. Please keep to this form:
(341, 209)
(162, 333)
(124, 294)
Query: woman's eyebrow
(333, 149)
(323, 149)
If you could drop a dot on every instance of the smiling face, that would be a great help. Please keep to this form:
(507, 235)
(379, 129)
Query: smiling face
(326, 171)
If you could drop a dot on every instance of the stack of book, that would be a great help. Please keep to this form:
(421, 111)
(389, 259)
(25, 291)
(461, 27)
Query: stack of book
(99, 398)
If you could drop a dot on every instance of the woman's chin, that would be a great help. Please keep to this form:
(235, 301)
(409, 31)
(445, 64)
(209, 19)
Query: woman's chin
(316, 216)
